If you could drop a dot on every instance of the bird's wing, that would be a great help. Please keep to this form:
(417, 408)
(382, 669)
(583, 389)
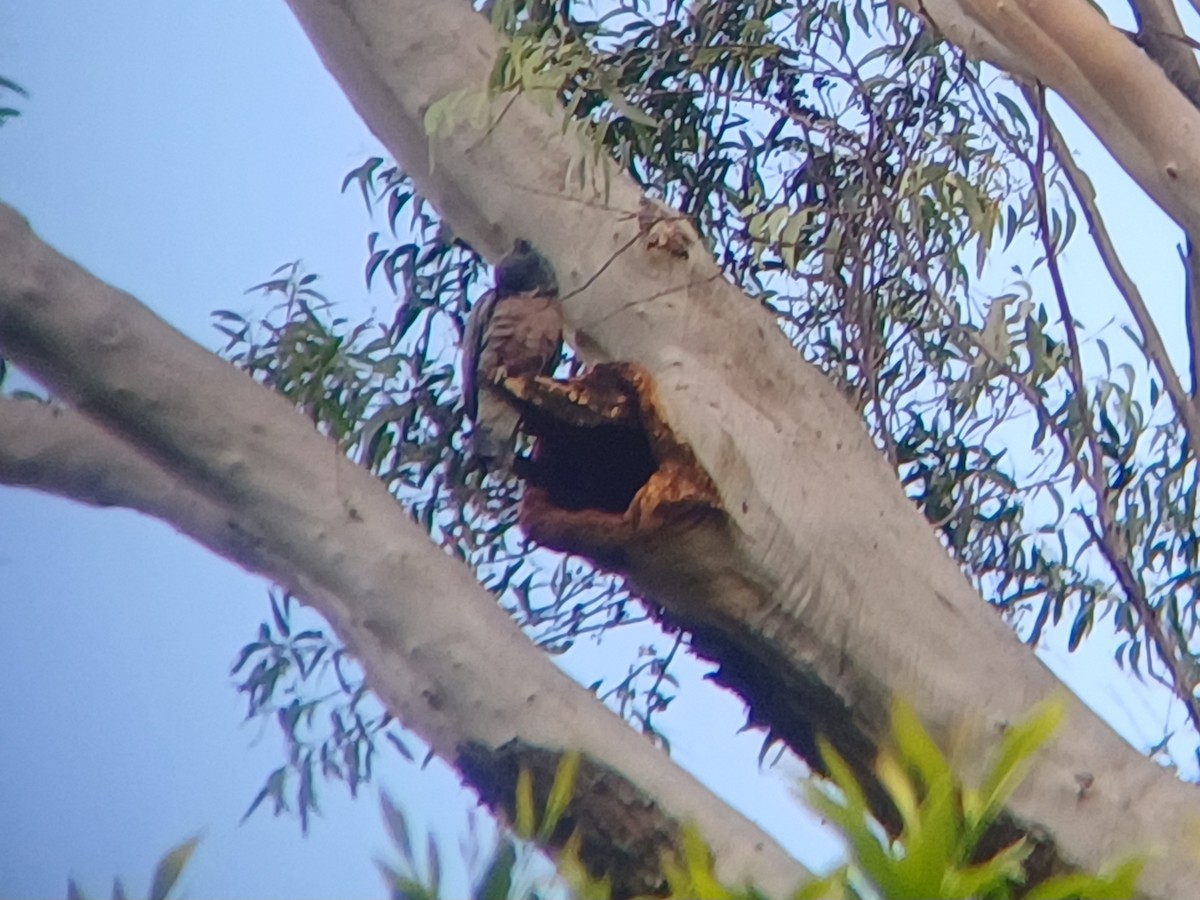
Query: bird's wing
(524, 335)
(473, 337)
(554, 332)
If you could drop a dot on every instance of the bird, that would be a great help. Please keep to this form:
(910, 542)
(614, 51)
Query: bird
(514, 330)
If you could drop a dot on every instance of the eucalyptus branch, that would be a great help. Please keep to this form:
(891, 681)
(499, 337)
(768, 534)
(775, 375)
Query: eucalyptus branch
(1152, 341)
(1168, 649)
(1075, 361)
(56, 450)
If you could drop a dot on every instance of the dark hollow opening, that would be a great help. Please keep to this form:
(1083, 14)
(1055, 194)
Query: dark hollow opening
(600, 467)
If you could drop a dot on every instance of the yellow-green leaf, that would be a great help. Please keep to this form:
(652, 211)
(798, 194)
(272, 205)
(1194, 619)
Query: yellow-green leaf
(170, 867)
(560, 793)
(526, 814)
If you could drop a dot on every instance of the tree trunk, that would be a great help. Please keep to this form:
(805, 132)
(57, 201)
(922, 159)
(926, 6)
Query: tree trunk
(821, 590)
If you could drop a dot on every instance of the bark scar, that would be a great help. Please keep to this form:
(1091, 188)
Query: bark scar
(664, 229)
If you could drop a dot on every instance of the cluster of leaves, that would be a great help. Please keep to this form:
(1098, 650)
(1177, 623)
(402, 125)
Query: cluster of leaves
(289, 682)
(945, 823)
(515, 867)
(856, 174)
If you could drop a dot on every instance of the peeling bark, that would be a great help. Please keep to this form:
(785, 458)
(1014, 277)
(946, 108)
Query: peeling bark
(625, 832)
(608, 475)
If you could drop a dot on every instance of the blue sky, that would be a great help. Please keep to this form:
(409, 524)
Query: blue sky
(181, 152)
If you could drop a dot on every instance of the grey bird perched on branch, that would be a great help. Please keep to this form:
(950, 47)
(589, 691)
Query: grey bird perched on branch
(515, 330)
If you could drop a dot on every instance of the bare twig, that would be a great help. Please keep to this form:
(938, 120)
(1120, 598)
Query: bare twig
(1191, 300)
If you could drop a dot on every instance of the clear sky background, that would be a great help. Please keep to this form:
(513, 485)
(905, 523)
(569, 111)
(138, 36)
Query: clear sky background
(181, 151)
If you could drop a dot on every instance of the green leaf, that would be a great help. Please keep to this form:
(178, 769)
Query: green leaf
(497, 880)
(1120, 884)
(402, 887)
(915, 745)
(1017, 748)
(397, 826)
(560, 793)
(13, 86)
(170, 867)
(991, 876)
(834, 886)
(433, 864)
(629, 111)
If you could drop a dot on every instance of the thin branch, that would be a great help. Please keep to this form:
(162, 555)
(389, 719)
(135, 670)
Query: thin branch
(1156, 350)
(1098, 482)
(1191, 301)
(1075, 362)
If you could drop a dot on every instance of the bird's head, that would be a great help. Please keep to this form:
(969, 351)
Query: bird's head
(525, 270)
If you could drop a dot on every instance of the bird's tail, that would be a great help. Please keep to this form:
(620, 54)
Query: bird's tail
(494, 435)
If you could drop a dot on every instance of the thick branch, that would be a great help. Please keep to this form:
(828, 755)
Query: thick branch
(1161, 35)
(439, 652)
(1126, 98)
(57, 451)
(1160, 32)
(822, 591)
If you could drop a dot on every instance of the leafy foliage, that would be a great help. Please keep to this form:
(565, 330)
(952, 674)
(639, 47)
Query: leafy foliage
(285, 659)
(515, 867)
(937, 854)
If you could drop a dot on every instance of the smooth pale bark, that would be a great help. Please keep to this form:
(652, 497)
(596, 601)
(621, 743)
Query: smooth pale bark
(187, 437)
(824, 562)
(57, 451)
(1123, 95)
